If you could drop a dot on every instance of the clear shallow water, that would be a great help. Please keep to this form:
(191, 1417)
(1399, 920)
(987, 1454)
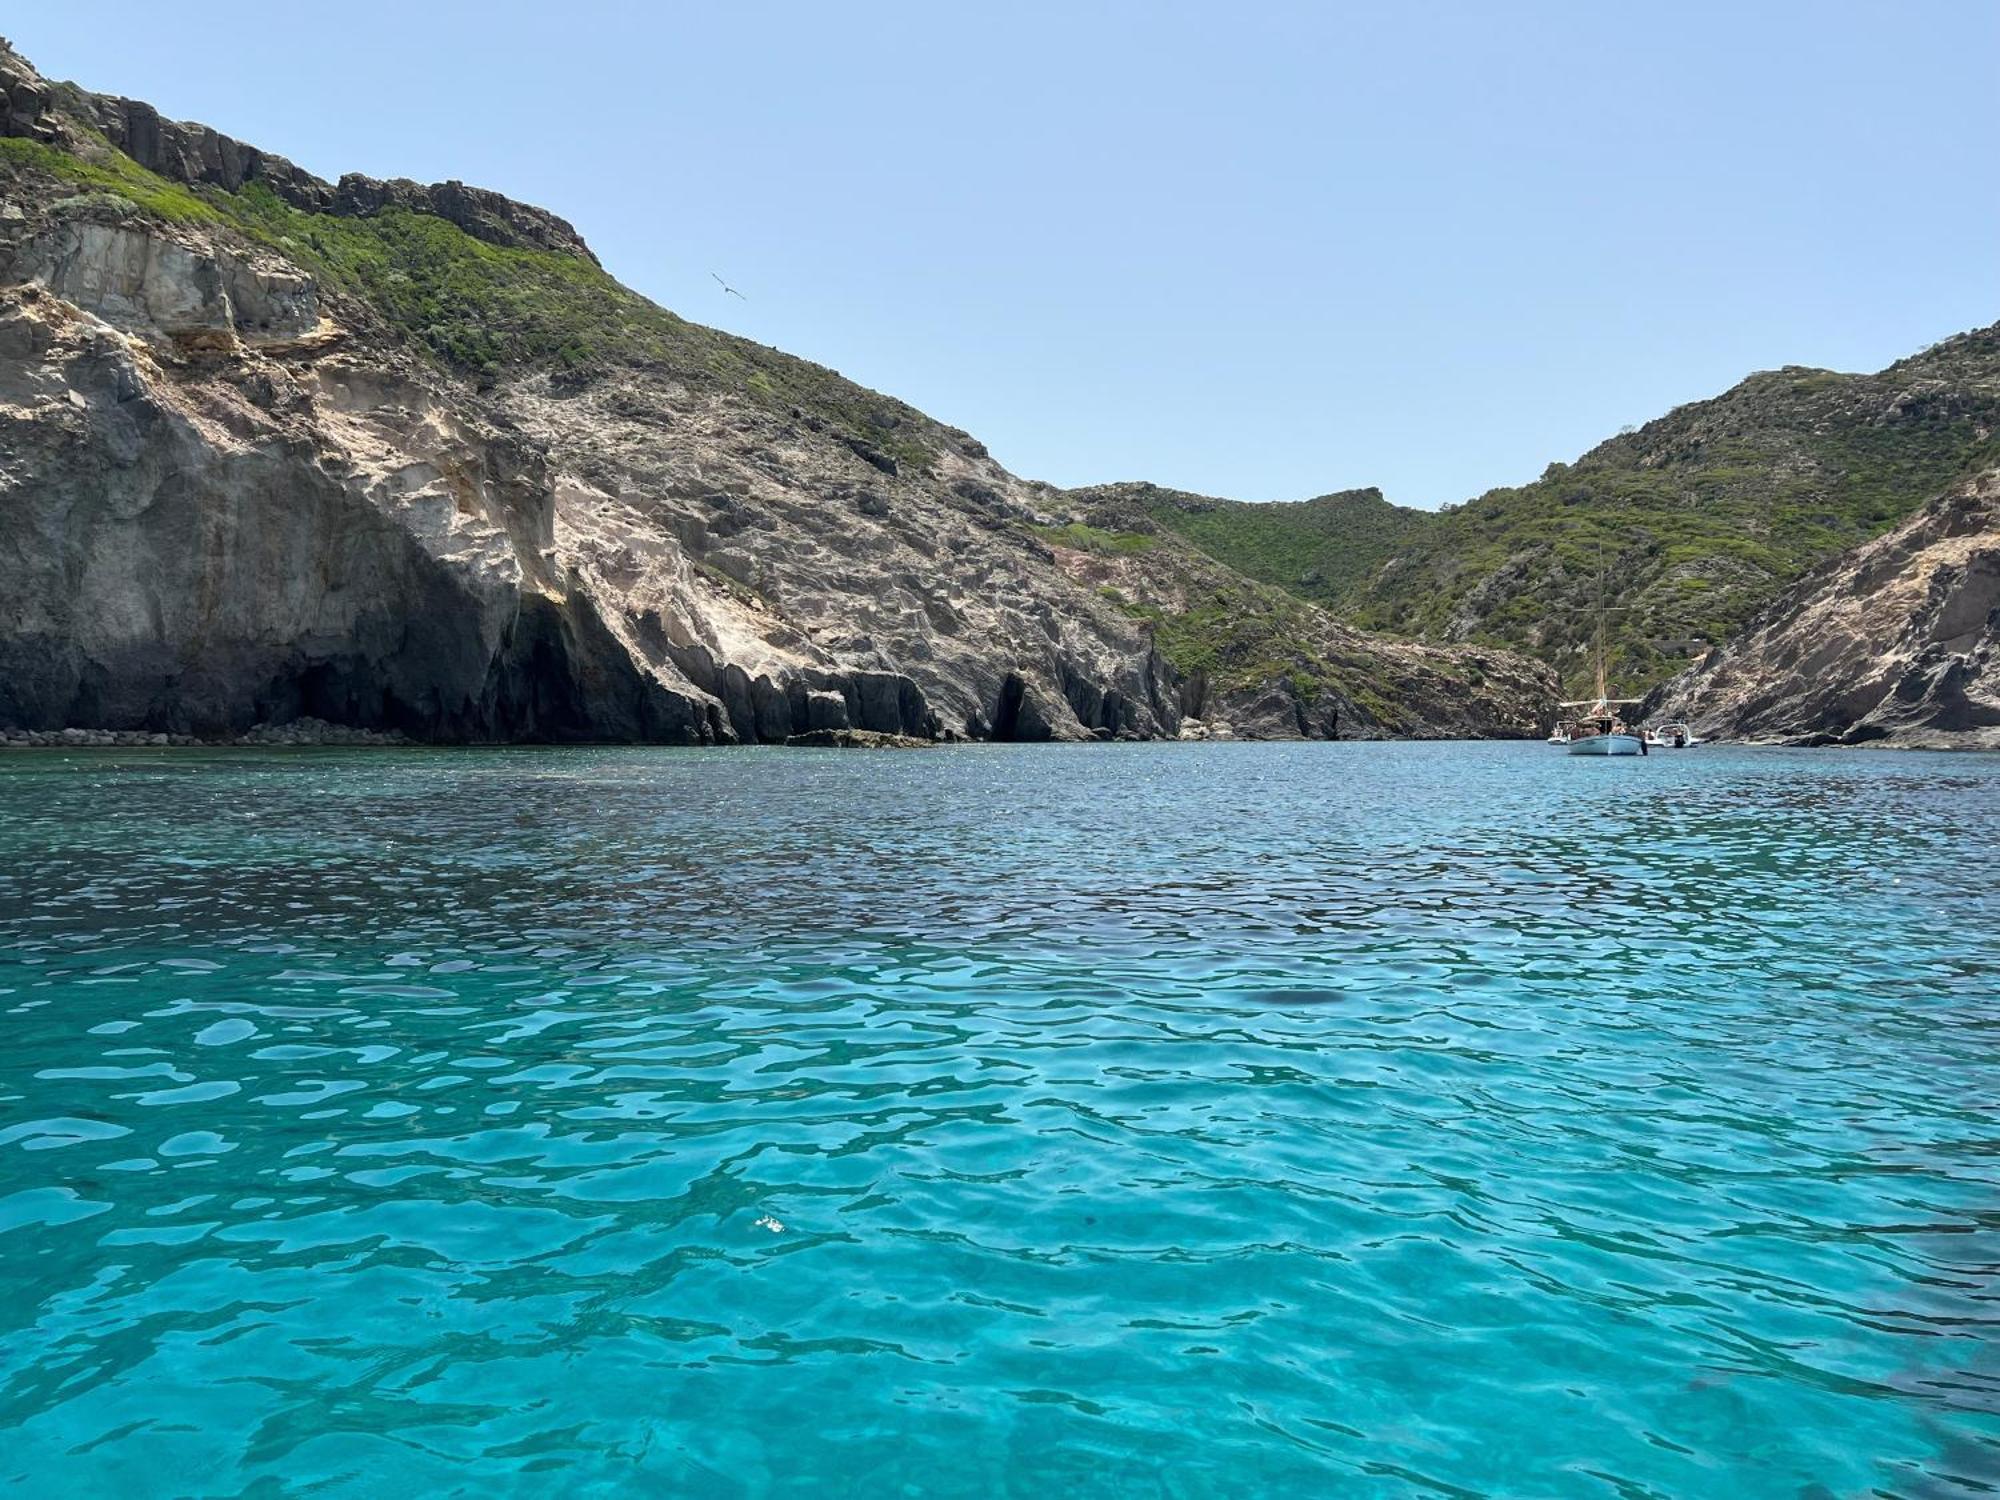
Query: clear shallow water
(1119, 1120)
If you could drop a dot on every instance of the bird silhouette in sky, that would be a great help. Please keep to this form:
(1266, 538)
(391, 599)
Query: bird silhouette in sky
(729, 289)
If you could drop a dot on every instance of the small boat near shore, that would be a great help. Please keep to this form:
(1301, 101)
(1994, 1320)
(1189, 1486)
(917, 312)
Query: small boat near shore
(1676, 735)
(1598, 730)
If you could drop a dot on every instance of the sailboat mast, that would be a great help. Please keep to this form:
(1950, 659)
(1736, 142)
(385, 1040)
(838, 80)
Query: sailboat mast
(1603, 691)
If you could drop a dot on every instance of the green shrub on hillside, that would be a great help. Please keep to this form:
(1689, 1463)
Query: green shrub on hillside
(1085, 538)
(1322, 550)
(111, 172)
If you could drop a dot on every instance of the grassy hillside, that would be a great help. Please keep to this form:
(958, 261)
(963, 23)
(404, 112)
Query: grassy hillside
(1236, 633)
(1324, 549)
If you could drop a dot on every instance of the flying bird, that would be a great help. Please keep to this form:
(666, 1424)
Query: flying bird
(729, 289)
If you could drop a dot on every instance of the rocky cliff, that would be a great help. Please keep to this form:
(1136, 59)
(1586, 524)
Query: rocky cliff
(406, 458)
(1894, 643)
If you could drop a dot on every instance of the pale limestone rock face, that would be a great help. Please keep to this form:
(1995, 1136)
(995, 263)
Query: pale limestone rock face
(133, 279)
(745, 544)
(202, 535)
(141, 279)
(204, 555)
(1896, 643)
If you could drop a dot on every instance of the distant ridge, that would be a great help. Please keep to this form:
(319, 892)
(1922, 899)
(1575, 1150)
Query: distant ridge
(62, 114)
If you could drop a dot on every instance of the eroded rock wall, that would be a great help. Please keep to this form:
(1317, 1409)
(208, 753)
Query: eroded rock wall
(221, 506)
(1895, 643)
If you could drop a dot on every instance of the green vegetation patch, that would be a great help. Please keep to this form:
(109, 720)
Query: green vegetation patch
(1085, 538)
(1241, 634)
(475, 305)
(110, 171)
(1323, 550)
(1689, 542)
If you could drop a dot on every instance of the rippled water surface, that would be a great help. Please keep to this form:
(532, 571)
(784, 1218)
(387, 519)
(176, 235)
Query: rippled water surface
(1151, 1120)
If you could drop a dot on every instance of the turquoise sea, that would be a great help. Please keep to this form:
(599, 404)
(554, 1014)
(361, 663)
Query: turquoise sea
(1460, 1120)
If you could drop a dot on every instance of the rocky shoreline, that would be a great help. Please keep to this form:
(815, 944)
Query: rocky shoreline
(858, 739)
(302, 732)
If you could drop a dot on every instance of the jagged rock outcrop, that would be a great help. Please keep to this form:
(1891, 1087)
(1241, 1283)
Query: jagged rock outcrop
(1896, 643)
(241, 487)
(32, 107)
(145, 282)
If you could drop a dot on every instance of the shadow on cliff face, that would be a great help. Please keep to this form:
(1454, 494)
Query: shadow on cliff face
(1021, 715)
(805, 699)
(559, 676)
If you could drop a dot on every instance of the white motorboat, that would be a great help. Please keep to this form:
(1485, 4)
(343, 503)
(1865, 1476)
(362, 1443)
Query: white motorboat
(1676, 735)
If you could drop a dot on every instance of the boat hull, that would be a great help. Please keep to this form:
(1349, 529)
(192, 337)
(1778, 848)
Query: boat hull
(1605, 744)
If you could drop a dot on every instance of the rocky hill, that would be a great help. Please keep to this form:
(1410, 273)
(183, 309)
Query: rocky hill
(1695, 521)
(1699, 519)
(1324, 550)
(406, 458)
(1896, 642)
(1246, 653)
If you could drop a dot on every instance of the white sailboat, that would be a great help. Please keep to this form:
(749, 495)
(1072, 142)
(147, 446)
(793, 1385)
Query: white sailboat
(1598, 730)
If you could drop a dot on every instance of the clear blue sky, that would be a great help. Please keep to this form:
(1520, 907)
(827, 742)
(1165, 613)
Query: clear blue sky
(1256, 250)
